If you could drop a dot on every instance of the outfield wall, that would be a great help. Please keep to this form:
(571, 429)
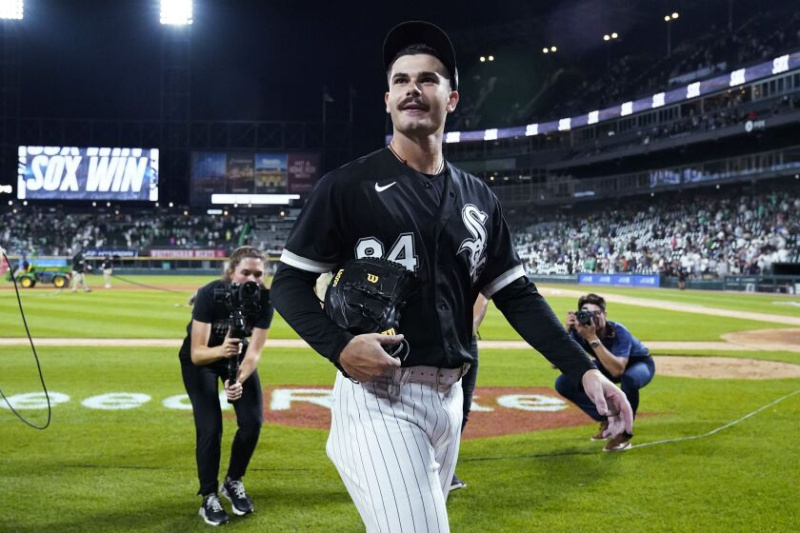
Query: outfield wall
(203, 266)
(744, 283)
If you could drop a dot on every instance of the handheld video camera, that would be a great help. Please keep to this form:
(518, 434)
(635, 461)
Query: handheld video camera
(585, 317)
(241, 300)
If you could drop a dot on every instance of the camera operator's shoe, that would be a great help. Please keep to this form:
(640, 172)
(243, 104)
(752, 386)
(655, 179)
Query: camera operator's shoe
(456, 483)
(619, 443)
(212, 512)
(599, 435)
(233, 490)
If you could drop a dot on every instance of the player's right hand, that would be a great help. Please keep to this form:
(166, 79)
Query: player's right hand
(364, 358)
(230, 347)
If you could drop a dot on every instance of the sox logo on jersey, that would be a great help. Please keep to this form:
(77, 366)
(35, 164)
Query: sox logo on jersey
(474, 219)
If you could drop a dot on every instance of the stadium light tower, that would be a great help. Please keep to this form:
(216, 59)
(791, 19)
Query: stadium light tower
(176, 12)
(669, 19)
(610, 38)
(11, 9)
(11, 12)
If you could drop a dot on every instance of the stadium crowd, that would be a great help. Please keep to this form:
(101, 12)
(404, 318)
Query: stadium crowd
(707, 235)
(760, 38)
(636, 72)
(38, 232)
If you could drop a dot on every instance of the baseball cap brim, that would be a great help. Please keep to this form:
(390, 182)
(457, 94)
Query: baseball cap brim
(419, 32)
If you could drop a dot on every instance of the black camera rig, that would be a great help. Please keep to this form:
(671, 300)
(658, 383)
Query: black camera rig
(241, 300)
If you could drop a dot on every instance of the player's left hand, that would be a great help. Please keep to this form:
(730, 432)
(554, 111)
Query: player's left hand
(233, 391)
(610, 402)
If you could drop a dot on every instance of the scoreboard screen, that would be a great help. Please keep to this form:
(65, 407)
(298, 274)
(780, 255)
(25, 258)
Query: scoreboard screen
(72, 173)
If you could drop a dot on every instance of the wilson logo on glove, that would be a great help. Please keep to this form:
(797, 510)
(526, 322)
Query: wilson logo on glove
(367, 296)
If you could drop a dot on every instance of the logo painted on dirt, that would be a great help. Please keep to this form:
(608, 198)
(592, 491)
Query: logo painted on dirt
(495, 411)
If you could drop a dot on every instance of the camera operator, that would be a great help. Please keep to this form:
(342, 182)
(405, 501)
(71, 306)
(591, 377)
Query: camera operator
(618, 354)
(212, 341)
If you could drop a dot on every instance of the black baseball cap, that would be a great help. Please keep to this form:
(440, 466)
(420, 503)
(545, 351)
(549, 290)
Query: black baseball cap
(419, 32)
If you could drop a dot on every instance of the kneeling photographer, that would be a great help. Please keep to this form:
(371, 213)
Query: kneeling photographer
(230, 322)
(618, 354)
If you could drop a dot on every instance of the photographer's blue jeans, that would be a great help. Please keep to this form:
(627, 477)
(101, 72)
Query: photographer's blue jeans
(202, 385)
(637, 374)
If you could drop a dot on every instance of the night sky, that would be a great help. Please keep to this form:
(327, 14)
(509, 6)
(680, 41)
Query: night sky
(262, 60)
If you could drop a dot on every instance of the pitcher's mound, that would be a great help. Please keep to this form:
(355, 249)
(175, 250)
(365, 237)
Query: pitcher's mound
(767, 339)
(724, 368)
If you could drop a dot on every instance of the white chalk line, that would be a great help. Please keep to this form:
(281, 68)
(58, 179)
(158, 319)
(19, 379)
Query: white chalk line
(717, 430)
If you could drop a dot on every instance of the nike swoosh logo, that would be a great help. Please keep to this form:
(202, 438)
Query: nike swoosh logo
(383, 188)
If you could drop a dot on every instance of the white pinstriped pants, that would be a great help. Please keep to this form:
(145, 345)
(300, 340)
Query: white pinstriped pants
(396, 451)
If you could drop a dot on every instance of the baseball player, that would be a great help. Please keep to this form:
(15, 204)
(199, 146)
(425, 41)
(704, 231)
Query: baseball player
(396, 424)
(107, 266)
(79, 267)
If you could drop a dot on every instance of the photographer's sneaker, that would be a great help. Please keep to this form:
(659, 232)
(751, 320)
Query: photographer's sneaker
(212, 512)
(233, 490)
(456, 483)
(619, 443)
(599, 435)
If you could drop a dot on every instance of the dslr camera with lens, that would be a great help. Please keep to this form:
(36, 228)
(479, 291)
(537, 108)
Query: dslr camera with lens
(241, 300)
(585, 317)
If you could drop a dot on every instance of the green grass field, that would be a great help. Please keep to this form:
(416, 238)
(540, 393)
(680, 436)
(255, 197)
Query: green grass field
(100, 470)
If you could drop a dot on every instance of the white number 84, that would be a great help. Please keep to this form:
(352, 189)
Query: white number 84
(402, 250)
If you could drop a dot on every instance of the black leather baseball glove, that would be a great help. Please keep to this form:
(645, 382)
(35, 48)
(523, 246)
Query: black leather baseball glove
(367, 296)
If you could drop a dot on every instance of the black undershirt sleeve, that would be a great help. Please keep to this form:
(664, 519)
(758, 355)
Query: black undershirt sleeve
(531, 316)
(292, 293)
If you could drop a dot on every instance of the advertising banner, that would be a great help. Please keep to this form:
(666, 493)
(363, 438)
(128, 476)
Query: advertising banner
(240, 175)
(626, 280)
(117, 254)
(251, 178)
(303, 173)
(187, 254)
(270, 173)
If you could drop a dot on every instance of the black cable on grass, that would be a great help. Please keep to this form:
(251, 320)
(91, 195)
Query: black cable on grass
(38, 365)
(145, 286)
(528, 456)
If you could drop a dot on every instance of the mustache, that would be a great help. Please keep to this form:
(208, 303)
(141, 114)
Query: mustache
(413, 100)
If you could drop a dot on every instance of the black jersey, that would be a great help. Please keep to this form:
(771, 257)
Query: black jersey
(206, 310)
(79, 263)
(448, 230)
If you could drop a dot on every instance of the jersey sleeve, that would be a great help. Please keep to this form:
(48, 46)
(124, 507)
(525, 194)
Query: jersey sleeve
(315, 242)
(503, 265)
